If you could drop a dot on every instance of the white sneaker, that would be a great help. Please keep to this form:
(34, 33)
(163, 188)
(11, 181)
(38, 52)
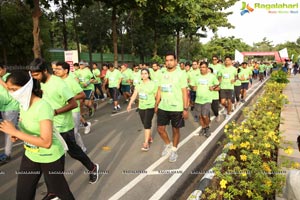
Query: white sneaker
(173, 157)
(167, 149)
(87, 129)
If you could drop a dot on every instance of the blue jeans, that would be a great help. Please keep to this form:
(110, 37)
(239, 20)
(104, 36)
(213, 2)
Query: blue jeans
(13, 117)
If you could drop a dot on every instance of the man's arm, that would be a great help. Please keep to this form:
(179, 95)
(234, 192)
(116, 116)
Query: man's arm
(69, 106)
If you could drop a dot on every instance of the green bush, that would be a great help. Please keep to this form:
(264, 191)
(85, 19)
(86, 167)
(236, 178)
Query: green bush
(279, 77)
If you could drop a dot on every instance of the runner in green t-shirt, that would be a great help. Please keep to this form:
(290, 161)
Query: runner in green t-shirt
(97, 82)
(62, 70)
(113, 77)
(227, 77)
(237, 89)
(156, 73)
(86, 78)
(204, 84)
(146, 92)
(246, 75)
(9, 109)
(261, 70)
(215, 65)
(126, 81)
(194, 73)
(44, 151)
(59, 96)
(171, 105)
(215, 98)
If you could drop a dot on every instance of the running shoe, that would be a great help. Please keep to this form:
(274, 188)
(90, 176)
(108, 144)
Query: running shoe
(145, 147)
(91, 112)
(167, 149)
(4, 158)
(206, 132)
(87, 129)
(150, 140)
(173, 156)
(94, 175)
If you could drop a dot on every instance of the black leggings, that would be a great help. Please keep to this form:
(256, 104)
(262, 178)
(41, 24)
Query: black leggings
(146, 117)
(75, 151)
(99, 87)
(237, 93)
(30, 174)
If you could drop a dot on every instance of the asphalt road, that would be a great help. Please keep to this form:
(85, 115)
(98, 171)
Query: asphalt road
(126, 171)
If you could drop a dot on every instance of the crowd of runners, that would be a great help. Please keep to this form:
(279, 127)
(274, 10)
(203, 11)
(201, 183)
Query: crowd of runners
(46, 105)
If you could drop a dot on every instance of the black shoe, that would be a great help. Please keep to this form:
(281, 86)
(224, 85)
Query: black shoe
(137, 110)
(94, 175)
(4, 159)
(201, 132)
(206, 132)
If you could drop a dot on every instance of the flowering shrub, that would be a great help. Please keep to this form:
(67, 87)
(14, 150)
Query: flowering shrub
(250, 169)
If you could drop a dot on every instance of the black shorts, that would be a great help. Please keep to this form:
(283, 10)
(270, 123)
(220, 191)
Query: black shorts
(146, 117)
(226, 94)
(192, 96)
(125, 88)
(88, 94)
(245, 86)
(164, 118)
(114, 93)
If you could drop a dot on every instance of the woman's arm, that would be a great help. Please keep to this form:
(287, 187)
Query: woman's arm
(44, 140)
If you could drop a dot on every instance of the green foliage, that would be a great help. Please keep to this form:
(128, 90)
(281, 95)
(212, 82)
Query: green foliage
(279, 77)
(250, 170)
(157, 59)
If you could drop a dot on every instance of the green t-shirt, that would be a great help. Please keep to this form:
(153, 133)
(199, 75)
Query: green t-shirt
(84, 76)
(191, 75)
(4, 77)
(156, 75)
(227, 74)
(75, 88)
(171, 86)
(126, 76)
(57, 93)
(113, 78)
(203, 82)
(146, 92)
(246, 73)
(96, 74)
(216, 68)
(261, 68)
(7, 103)
(30, 124)
(136, 77)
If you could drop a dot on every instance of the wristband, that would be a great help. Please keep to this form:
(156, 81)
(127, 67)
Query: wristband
(186, 109)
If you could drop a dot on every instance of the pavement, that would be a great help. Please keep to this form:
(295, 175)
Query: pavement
(126, 172)
(290, 124)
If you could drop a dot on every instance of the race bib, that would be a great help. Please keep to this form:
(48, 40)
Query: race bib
(226, 76)
(31, 148)
(112, 79)
(203, 82)
(166, 88)
(143, 96)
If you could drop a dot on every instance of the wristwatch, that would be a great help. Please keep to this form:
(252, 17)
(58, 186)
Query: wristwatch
(186, 109)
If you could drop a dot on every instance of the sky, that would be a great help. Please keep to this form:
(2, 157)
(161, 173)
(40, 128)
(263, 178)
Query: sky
(252, 27)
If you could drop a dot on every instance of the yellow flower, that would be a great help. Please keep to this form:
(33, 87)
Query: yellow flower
(267, 145)
(223, 183)
(232, 147)
(269, 113)
(243, 157)
(266, 167)
(289, 151)
(256, 152)
(244, 174)
(296, 165)
(249, 193)
(271, 134)
(251, 137)
(246, 130)
(267, 153)
(268, 182)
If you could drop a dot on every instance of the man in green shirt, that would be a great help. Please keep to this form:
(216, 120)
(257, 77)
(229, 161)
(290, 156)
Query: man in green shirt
(227, 77)
(59, 96)
(204, 84)
(246, 75)
(97, 82)
(171, 105)
(191, 75)
(85, 77)
(113, 77)
(126, 81)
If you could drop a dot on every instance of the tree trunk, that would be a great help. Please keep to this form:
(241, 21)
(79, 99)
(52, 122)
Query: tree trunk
(115, 36)
(36, 29)
(177, 43)
(155, 42)
(76, 32)
(64, 31)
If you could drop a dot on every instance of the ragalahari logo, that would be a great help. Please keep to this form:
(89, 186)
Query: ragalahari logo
(246, 8)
